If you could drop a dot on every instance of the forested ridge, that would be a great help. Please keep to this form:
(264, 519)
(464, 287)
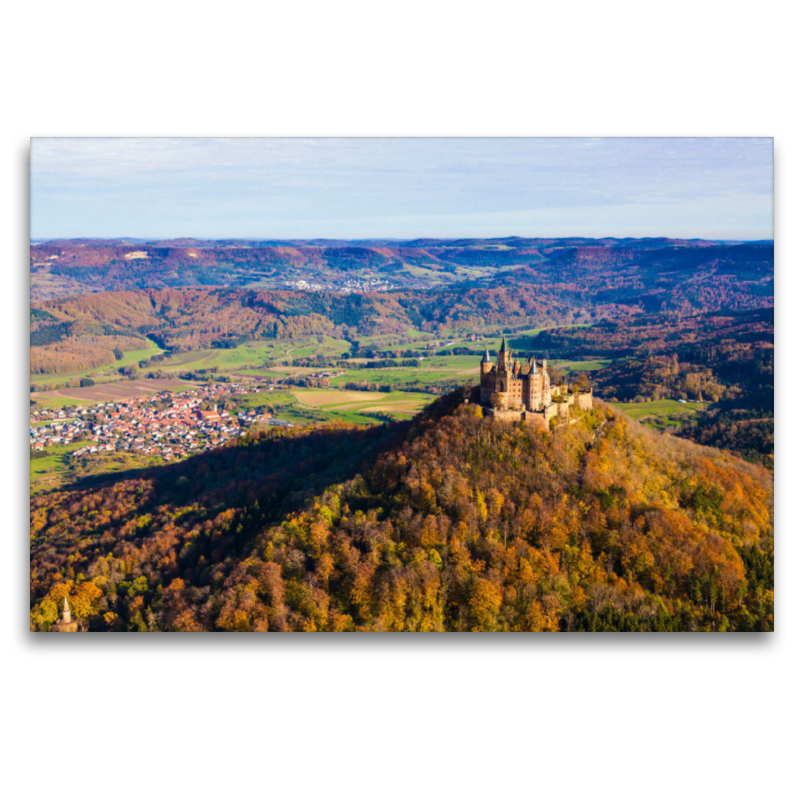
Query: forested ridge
(447, 522)
(723, 358)
(652, 272)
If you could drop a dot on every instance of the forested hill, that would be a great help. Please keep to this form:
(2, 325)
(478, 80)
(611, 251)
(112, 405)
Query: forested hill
(653, 273)
(561, 294)
(448, 522)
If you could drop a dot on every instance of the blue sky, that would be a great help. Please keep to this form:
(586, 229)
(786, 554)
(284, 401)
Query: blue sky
(401, 188)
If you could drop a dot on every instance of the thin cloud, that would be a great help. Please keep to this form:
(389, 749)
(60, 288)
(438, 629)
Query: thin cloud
(374, 187)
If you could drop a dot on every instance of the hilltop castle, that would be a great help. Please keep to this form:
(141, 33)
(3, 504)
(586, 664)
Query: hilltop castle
(511, 390)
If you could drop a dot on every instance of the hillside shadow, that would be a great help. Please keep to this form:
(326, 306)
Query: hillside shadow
(278, 469)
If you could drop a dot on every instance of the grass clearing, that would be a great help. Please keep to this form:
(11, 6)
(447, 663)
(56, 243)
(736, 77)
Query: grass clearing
(103, 374)
(353, 406)
(47, 471)
(583, 366)
(59, 468)
(654, 408)
(661, 414)
(250, 355)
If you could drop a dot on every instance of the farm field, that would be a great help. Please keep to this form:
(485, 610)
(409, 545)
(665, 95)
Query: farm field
(102, 392)
(661, 414)
(105, 373)
(249, 355)
(401, 376)
(582, 366)
(353, 406)
(432, 369)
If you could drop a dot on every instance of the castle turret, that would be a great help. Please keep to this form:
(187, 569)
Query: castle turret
(486, 362)
(504, 357)
(66, 617)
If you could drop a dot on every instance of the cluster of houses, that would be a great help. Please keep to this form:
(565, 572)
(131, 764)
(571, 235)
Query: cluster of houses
(169, 425)
(366, 283)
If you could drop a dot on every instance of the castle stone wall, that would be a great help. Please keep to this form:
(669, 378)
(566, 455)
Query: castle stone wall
(585, 401)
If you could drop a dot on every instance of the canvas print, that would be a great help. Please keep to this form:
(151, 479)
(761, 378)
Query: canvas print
(401, 385)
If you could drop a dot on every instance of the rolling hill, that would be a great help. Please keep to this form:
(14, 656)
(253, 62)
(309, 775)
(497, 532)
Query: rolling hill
(447, 522)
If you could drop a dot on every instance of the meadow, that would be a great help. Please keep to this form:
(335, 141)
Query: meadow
(661, 414)
(105, 373)
(122, 389)
(59, 468)
(48, 471)
(251, 355)
(356, 406)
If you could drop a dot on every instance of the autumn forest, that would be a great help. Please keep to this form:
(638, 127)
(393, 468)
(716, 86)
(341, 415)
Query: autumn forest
(651, 512)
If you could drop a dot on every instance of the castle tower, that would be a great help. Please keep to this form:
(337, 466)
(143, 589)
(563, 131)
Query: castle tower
(504, 358)
(486, 362)
(547, 394)
(66, 624)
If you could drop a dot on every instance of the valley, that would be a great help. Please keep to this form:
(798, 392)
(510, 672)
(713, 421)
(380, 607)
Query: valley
(313, 428)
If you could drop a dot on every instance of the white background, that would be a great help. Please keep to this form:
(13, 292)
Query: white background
(566, 716)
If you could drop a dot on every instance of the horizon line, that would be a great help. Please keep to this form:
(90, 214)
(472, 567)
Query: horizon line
(45, 239)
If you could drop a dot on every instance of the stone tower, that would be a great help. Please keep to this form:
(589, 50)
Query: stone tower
(66, 624)
(504, 358)
(486, 362)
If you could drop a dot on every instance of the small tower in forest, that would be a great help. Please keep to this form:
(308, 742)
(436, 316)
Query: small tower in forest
(66, 624)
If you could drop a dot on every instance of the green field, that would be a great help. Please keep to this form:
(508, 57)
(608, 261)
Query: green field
(250, 355)
(304, 406)
(582, 366)
(298, 405)
(661, 414)
(352, 406)
(103, 392)
(57, 468)
(48, 471)
(103, 374)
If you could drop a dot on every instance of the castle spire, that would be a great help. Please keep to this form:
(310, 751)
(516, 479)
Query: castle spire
(65, 615)
(503, 357)
(486, 358)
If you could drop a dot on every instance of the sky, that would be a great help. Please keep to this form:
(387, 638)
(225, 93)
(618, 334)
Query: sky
(151, 188)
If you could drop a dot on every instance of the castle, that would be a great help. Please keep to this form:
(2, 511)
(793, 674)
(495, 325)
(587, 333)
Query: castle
(511, 390)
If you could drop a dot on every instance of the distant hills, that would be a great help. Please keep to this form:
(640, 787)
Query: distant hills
(173, 290)
(71, 267)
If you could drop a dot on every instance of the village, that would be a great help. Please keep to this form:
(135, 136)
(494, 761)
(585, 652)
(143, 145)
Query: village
(170, 425)
(365, 283)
